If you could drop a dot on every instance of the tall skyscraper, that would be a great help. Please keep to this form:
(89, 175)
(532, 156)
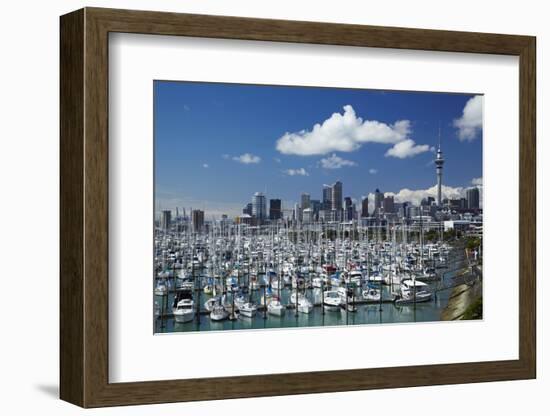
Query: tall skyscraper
(326, 204)
(348, 208)
(259, 209)
(388, 205)
(365, 207)
(197, 216)
(378, 198)
(166, 219)
(275, 212)
(472, 197)
(337, 196)
(439, 169)
(305, 200)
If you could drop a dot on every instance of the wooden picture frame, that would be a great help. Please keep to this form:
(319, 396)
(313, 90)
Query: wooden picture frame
(84, 207)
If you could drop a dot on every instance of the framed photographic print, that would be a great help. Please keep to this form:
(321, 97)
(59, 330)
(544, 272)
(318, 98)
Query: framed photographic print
(259, 207)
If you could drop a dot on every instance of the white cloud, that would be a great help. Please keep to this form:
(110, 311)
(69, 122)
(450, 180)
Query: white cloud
(335, 162)
(407, 148)
(205, 165)
(296, 172)
(373, 171)
(477, 181)
(186, 107)
(343, 133)
(226, 156)
(276, 159)
(247, 158)
(471, 121)
(415, 196)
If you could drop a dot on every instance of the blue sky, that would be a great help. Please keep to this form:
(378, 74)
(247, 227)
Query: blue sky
(216, 144)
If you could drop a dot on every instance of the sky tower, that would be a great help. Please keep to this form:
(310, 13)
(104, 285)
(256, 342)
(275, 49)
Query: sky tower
(439, 169)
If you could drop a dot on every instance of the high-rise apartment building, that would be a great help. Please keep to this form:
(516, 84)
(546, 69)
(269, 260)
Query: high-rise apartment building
(337, 196)
(365, 207)
(305, 200)
(259, 206)
(472, 197)
(388, 205)
(197, 217)
(275, 212)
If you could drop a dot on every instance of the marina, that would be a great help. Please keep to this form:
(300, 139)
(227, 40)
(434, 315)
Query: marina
(240, 277)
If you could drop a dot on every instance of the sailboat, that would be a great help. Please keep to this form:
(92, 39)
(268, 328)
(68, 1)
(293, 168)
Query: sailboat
(276, 307)
(248, 310)
(304, 304)
(218, 313)
(210, 303)
(268, 297)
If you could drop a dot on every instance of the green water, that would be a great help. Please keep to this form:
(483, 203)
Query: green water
(365, 314)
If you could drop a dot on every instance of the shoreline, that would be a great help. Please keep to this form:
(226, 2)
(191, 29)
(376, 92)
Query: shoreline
(465, 302)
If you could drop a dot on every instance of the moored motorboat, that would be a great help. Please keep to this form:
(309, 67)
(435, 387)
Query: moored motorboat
(332, 301)
(161, 289)
(413, 291)
(182, 308)
(371, 294)
(248, 310)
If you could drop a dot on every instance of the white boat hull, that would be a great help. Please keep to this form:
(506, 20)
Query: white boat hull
(331, 307)
(276, 310)
(183, 315)
(248, 310)
(218, 316)
(419, 298)
(305, 308)
(248, 313)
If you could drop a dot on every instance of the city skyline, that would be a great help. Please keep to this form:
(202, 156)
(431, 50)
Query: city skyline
(365, 139)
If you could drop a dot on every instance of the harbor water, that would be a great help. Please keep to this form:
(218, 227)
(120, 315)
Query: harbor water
(386, 312)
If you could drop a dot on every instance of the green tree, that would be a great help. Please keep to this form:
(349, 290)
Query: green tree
(472, 243)
(449, 235)
(431, 235)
